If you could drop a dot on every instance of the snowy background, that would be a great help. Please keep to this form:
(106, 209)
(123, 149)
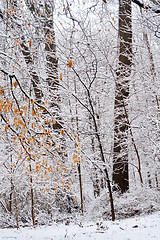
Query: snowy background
(138, 228)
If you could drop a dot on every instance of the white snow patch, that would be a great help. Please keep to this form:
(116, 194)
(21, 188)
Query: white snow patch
(138, 228)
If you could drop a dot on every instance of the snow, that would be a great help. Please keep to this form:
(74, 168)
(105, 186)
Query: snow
(137, 228)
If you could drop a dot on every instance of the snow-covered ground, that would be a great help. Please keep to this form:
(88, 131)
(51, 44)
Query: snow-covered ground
(138, 228)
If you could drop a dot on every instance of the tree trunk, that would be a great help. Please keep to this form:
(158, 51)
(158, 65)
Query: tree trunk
(120, 150)
(32, 195)
(78, 162)
(51, 59)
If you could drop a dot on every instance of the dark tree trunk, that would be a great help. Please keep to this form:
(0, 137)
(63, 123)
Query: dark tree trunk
(120, 150)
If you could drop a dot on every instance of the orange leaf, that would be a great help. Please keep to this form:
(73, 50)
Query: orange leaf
(5, 110)
(1, 107)
(60, 76)
(25, 108)
(70, 63)
(15, 84)
(30, 43)
(62, 132)
(47, 121)
(74, 156)
(15, 111)
(33, 113)
(20, 121)
(6, 128)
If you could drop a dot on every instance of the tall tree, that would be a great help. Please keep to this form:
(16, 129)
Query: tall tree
(120, 151)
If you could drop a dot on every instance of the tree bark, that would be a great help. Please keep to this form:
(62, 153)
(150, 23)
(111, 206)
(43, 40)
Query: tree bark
(120, 149)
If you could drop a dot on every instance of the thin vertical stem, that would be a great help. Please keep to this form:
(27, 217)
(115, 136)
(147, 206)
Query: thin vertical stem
(78, 163)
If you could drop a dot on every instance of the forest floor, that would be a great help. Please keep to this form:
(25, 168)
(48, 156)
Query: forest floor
(138, 228)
